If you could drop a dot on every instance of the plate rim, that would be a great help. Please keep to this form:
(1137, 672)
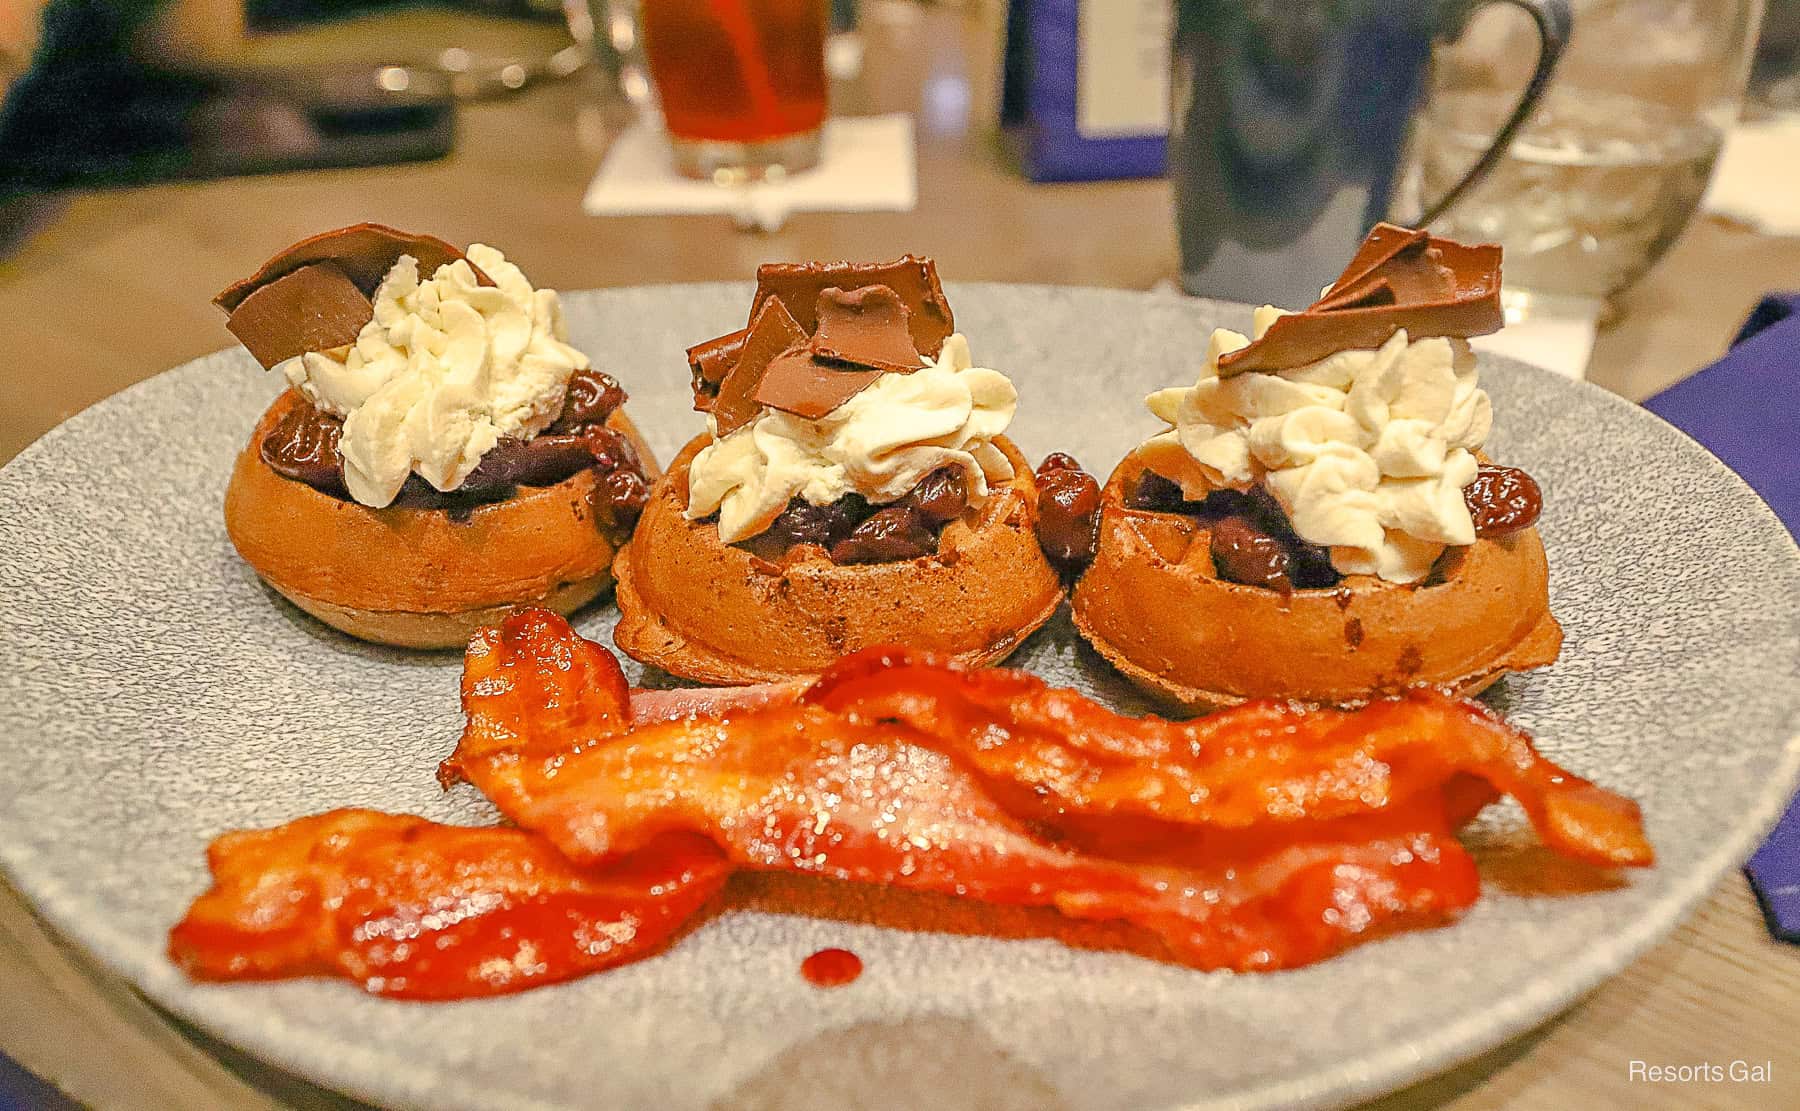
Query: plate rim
(266, 1036)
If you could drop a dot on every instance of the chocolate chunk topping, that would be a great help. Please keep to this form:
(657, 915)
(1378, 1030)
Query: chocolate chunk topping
(798, 285)
(853, 531)
(1400, 278)
(866, 328)
(1243, 553)
(316, 295)
(710, 362)
(1253, 542)
(861, 335)
(1309, 565)
(459, 505)
(821, 525)
(1502, 500)
(591, 397)
(894, 533)
(1155, 493)
(303, 446)
(772, 333)
(941, 495)
(366, 252)
(1394, 266)
(1068, 519)
(314, 308)
(540, 461)
(805, 385)
(608, 448)
(620, 497)
(863, 319)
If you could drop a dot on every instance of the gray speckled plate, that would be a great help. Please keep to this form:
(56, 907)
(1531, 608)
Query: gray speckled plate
(153, 694)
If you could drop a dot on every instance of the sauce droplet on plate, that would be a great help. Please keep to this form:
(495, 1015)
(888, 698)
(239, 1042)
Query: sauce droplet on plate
(831, 968)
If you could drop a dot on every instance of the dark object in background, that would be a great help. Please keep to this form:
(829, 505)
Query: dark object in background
(19, 1088)
(268, 15)
(1040, 107)
(87, 113)
(272, 15)
(1289, 127)
(1778, 48)
(121, 123)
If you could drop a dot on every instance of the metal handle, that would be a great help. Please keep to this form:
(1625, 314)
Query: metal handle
(1554, 20)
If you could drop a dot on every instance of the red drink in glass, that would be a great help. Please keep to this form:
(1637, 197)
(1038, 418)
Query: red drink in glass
(742, 82)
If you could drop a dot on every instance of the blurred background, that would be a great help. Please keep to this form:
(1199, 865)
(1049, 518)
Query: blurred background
(151, 151)
(1637, 159)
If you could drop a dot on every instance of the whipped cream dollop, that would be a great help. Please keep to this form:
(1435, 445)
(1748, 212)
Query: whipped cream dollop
(446, 367)
(1367, 451)
(878, 444)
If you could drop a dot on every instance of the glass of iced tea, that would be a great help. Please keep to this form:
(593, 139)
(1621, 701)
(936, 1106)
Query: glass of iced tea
(742, 82)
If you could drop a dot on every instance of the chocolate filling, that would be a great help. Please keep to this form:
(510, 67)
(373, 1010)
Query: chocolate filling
(851, 530)
(303, 446)
(1253, 542)
(1502, 500)
(1068, 521)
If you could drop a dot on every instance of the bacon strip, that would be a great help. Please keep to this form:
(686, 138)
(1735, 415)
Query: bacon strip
(1260, 764)
(416, 910)
(801, 790)
(899, 793)
(1266, 837)
(710, 702)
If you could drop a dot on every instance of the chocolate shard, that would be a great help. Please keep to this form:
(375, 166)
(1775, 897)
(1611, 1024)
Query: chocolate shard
(800, 383)
(1399, 278)
(365, 252)
(915, 279)
(1399, 270)
(769, 336)
(1385, 243)
(711, 362)
(866, 328)
(314, 308)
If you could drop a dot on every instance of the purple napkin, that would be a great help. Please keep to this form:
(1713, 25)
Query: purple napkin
(20, 1089)
(1746, 409)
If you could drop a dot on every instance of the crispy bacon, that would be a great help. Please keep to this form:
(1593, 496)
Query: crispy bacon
(1262, 765)
(1264, 837)
(417, 910)
(1250, 851)
(685, 702)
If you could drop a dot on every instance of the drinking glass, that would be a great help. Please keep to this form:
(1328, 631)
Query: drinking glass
(741, 82)
(1611, 167)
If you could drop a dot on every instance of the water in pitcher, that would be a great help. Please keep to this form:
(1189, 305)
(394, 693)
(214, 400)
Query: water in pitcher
(1589, 197)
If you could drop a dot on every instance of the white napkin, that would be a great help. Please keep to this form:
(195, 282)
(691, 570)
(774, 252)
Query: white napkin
(1559, 339)
(1753, 184)
(866, 164)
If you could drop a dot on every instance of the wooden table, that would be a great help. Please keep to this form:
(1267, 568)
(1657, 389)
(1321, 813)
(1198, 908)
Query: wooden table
(101, 290)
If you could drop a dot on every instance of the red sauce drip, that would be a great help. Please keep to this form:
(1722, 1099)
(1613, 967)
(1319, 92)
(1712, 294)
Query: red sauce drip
(831, 968)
